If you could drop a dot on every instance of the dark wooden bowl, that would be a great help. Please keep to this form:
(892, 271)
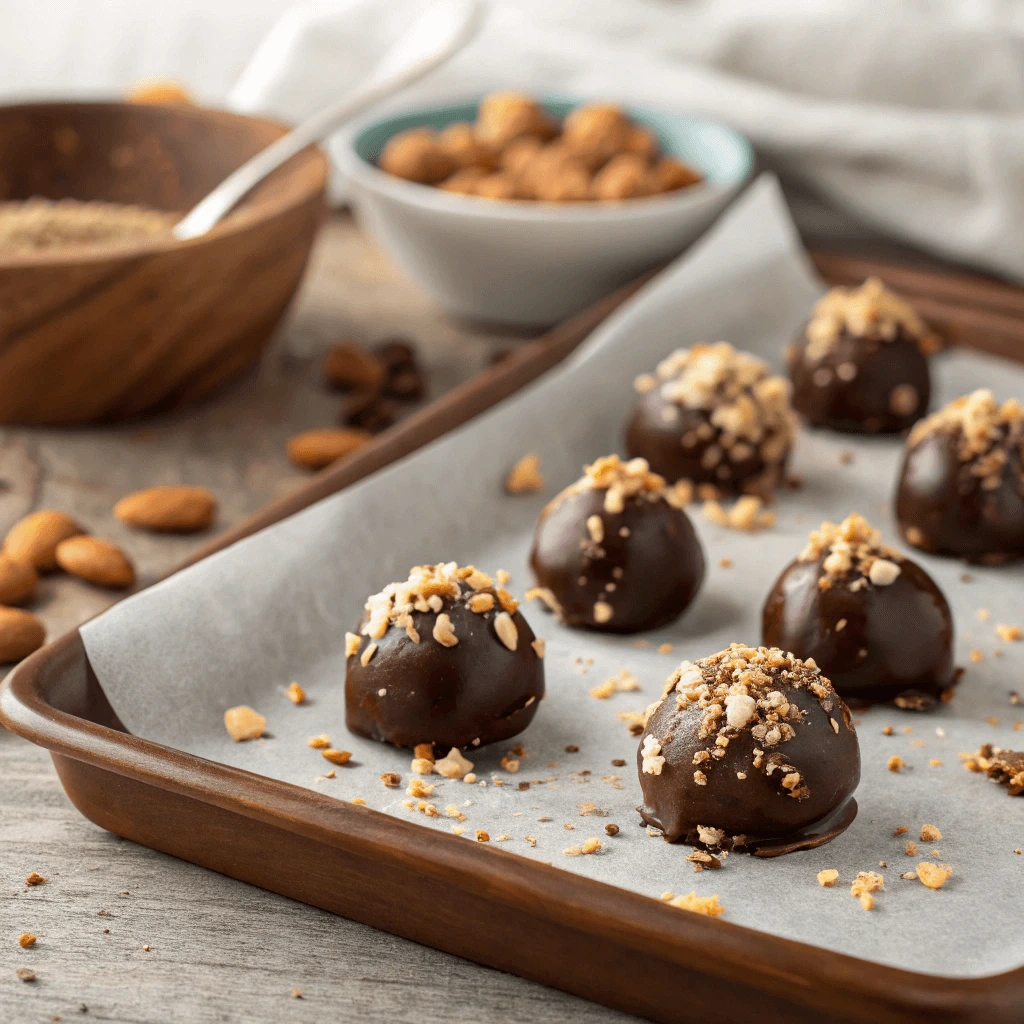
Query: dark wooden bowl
(89, 336)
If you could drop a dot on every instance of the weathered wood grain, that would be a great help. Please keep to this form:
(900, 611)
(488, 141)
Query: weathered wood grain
(219, 950)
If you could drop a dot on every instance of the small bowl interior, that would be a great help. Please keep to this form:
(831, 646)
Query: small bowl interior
(164, 157)
(720, 153)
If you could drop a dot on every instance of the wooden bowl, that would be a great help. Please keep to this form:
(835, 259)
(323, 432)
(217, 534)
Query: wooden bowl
(95, 335)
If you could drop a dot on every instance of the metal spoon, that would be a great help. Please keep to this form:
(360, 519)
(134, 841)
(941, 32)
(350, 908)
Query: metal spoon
(431, 40)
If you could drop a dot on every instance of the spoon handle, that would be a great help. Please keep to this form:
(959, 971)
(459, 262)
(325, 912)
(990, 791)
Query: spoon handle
(202, 217)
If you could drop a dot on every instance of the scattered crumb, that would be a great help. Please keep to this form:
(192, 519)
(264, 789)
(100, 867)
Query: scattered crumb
(624, 682)
(469, 778)
(26, 939)
(611, 830)
(296, 993)
(828, 877)
(530, 840)
(525, 476)
(296, 694)
(983, 614)
(572, 749)
(934, 876)
(665, 648)
(454, 765)
(25, 974)
(634, 721)
(458, 830)
(930, 834)
(421, 766)
(34, 878)
(482, 836)
(320, 742)
(392, 780)
(866, 883)
(745, 515)
(896, 763)
(419, 788)
(243, 723)
(846, 457)
(976, 655)
(910, 848)
(725, 563)
(337, 756)
(707, 905)
(1008, 634)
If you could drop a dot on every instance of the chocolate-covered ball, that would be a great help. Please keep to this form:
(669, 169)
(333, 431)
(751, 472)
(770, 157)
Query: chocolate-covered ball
(874, 621)
(615, 551)
(748, 747)
(715, 417)
(860, 365)
(445, 658)
(961, 488)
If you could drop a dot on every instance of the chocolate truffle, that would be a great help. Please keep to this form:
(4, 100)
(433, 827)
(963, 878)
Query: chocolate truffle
(961, 489)
(861, 364)
(715, 417)
(749, 748)
(443, 658)
(615, 551)
(872, 619)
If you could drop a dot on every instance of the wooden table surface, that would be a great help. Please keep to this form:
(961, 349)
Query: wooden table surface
(177, 943)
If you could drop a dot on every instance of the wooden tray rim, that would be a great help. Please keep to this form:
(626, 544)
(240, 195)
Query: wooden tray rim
(721, 948)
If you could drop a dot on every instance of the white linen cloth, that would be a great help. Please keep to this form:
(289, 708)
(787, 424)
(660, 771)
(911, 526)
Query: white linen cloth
(905, 116)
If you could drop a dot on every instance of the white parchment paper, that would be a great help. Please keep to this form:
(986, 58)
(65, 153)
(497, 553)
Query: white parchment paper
(274, 608)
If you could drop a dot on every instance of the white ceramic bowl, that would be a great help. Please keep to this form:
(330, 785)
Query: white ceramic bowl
(532, 263)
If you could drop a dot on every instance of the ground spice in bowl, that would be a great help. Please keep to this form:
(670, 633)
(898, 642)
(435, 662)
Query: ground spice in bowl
(37, 225)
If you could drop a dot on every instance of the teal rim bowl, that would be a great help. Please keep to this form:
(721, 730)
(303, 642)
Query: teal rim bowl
(720, 153)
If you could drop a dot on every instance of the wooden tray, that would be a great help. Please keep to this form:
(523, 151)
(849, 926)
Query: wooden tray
(600, 942)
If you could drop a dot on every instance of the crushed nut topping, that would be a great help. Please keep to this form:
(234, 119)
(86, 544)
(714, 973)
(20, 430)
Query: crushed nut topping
(984, 430)
(870, 311)
(828, 877)
(866, 883)
(653, 762)
(852, 551)
(744, 689)
(930, 834)
(352, 642)
(430, 589)
(337, 756)
(622, 482)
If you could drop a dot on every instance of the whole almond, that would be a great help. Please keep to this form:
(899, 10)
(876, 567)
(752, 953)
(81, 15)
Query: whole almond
(95, 561)
(21, 633)
(350, 366)
(34, 539)
(168, 509)
(314, 449)
(18, 580)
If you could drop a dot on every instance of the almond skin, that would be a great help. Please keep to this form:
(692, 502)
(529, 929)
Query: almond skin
(314, 449)
(18, 580)
(168, 509)
(21, 633)
(96, 561)
(34, 539)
